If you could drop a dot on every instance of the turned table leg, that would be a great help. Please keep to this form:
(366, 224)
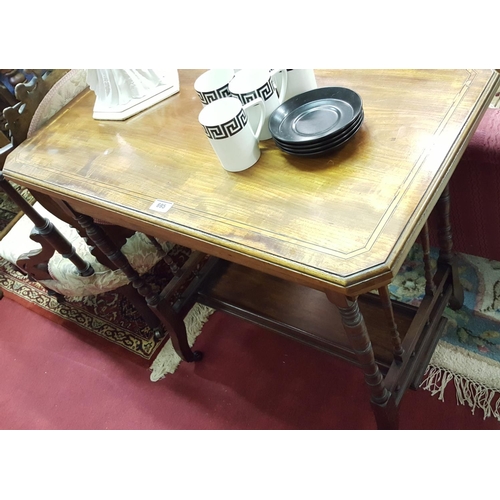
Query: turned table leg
(430, 287)
(383, 406)
(45, 231)
(445, 248)
(172, 321)
(385, 300)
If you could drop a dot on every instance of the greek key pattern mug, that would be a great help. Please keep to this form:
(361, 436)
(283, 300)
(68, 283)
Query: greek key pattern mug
(250, 84)
(265, 92)
(213, 85)
(208, 97)
(230, 133)
(227, 129)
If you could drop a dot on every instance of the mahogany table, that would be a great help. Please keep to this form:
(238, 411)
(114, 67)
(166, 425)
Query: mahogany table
(291, 235)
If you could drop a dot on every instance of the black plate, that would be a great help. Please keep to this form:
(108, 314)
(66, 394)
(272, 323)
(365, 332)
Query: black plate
(325, 149)
(318, 145)
(321, 144)
(315, 114)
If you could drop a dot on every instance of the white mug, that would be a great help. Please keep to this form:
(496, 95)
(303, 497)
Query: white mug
(213, 84)
(228, 129)
(249, 84)
(298, 81)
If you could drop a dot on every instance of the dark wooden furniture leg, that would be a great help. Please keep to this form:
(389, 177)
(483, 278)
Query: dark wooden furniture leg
(446, 255)
(385, 299)
(136, 299)
(430, 287)
(172, 321)
(44, 232)
(383, 405)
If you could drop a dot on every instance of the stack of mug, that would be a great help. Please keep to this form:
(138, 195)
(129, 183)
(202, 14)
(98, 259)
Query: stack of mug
(237, 105)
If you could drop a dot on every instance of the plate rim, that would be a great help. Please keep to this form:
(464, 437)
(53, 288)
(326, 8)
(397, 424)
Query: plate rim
(327, 149)
(306, 98)
(324, 141)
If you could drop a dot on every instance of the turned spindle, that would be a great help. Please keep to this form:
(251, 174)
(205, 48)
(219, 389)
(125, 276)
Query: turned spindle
(446, 256)
(385, 300)
(430, 287)
(45, 229)
(172, 322)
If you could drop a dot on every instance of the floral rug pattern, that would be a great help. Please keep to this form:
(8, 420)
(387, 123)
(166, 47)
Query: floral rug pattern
(108, 315)
(468, 354)
(476, 326)
(8, 209)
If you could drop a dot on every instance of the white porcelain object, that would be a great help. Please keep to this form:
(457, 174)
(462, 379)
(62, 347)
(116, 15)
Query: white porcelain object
(298, 81)
(229, 131)
(121, 93)
(213, 84)
(249, 84)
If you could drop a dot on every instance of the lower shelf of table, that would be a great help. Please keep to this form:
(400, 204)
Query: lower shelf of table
(306, 315)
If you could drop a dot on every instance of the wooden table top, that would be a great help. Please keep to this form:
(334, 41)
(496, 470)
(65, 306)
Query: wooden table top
(344, 221)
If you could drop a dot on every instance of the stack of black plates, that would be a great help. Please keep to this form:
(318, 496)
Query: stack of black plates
(317, 122)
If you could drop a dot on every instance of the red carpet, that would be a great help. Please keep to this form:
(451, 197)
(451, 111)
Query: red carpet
(250, 378)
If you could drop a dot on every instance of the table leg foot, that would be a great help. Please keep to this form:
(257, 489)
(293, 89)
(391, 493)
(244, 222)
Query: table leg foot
(159, 334)
(174, 325)
(197, 356)
(357, 333)
(457, 295)
(386, 415)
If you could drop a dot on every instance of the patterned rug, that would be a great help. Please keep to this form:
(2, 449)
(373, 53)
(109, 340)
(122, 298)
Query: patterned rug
(8, 209)
(469, 353)
(109, 315)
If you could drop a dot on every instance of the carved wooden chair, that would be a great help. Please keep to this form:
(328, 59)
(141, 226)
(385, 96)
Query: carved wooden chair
(25, 103)
(9, 78)
(57, 252)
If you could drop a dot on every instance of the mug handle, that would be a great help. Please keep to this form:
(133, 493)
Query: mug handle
(262, 107)
(284, 82)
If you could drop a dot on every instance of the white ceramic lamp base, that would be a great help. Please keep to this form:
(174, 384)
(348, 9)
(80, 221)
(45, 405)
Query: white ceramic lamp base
(118, 102)
(135, 105)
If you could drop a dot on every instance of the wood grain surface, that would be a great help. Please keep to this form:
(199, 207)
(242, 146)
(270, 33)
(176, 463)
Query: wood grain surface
(343, 222)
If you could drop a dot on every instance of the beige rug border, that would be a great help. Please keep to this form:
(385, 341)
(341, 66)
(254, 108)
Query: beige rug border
(167, 360)
(476, 378)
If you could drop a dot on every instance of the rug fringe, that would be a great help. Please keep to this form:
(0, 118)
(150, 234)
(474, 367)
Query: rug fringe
(477, 395)
(168, 360)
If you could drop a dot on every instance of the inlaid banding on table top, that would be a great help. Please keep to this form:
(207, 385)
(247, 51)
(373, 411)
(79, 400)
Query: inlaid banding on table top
(236, 230)
(400, 194)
